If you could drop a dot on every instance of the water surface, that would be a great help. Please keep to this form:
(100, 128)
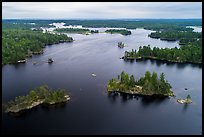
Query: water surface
(91, 110)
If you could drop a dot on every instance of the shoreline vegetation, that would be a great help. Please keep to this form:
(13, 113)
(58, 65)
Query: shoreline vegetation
(119, 31)
(40, 95)
(148, 85)
(76, 30)
(19, 44)
(191, 53)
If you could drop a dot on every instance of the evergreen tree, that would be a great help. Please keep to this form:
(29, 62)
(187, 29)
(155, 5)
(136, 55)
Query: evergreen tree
(154, 82)
(132, 81)
(148, 76)
(188, 97)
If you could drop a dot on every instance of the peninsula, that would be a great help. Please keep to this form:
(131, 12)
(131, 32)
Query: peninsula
(18, 44)
(191, 53)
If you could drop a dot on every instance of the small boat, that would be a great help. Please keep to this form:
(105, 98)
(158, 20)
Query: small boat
(185, 88)
(22, 61)
(94, 75)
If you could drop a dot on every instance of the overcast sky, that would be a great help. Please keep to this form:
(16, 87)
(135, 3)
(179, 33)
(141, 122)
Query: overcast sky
(100, 10)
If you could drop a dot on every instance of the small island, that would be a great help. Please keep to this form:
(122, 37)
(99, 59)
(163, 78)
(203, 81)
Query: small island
(75, 30)
(119, 31)
(149, 85)
(40, 95)
(185, 101)
(121, 45)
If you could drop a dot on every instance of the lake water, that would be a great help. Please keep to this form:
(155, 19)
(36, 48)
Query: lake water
(195, 28)
(91, 110)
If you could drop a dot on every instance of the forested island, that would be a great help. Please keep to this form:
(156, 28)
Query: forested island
(191, 53)
(18, 44)
(40, 95)
(149, 85)
(76, 30)
(119, 31)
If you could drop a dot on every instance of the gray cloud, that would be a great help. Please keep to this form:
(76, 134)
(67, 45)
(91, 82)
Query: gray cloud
(101, 10)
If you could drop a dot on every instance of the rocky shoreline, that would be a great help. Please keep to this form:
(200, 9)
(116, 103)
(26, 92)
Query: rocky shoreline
(38, 96)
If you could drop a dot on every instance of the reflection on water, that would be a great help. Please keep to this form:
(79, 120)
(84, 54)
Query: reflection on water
(22, 114)
(185, 106)
(43, 107)
(130, 61)
(145, 100)
(112, 97)
(161, 62)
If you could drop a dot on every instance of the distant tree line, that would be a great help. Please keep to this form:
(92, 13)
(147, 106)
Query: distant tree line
(151, 24)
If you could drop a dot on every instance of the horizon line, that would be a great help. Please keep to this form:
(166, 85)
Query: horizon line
(91, 18)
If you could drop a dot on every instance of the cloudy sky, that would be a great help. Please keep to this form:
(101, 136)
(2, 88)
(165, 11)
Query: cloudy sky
(100, 10)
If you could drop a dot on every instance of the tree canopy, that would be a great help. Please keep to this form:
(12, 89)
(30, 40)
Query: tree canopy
(120, 31)
(17, 44)
(149, 84)
(190, 53)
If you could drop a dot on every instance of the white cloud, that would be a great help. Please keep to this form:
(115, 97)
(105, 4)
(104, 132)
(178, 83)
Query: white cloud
(101, 10)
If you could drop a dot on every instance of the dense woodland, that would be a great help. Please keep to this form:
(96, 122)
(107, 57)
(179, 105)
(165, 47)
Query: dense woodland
(73, 30)
(149, 84)
(17, 44)
(76, 30)
(190, 53)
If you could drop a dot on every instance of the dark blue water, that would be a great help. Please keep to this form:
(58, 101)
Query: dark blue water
(91, 110)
